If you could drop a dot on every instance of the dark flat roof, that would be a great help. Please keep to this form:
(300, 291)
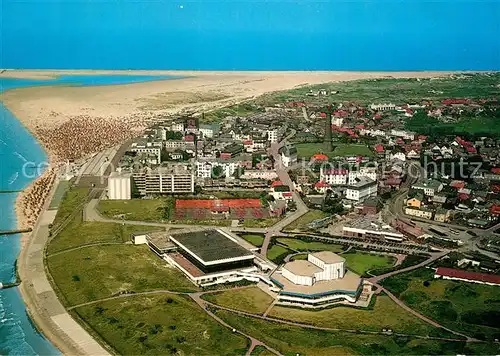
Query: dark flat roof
(210, 246)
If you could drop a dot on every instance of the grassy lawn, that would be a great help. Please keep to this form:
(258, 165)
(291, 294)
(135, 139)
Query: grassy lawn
(310, 216)
(360, 262)
(62, 188)
(72, 199)
(136, 209)
(79, 233)
(259, 222)
(255, 239)
(310, 246)
(467, 307)
(159, 325)
(277, 253)
(307, 150)
(96, 272)
(251, 300)
(301, 256)
(385, 315)
(292, 340)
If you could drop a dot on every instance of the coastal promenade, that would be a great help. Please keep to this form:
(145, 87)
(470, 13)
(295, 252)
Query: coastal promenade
(42, 303)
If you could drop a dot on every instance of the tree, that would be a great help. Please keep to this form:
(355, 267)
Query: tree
(218, 172)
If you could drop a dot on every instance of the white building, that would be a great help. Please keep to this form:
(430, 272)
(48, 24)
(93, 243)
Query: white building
(398, 155)
(288, 155)
(334, 176)
(403, 134)
(144, 146)
(337, 121)
(204, 168)
(362, 189)
(429, 187)
(172, 145)
(120, 186)
(369, 172)
(207, 130)
(320, 280)
(383, 107)
(259, 174)
(272, 135)
(179, 126)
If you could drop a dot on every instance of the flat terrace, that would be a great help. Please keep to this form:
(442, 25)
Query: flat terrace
(348, 285)
(211, 247)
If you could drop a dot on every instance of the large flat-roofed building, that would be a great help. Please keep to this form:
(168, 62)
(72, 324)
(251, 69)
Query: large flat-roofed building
(321, 279)
(211, 257)
(371, 228)
(465, 276)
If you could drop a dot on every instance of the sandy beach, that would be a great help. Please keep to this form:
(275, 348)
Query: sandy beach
(71, 122)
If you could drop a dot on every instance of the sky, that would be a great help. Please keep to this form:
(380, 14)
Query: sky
(279, 34)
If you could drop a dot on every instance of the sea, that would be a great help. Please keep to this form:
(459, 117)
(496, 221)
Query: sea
(18, 336)
(361, 35)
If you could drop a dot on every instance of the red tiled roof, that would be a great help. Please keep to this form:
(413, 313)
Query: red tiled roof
(495, 209)
(217, 204)
(495, 170)
(379, 148)
(471, 276)
(248, 142)
(321, 184)
(276, 183)
(422, 137)
(319, 157)
(322, 114)
(342, 172)
(287, 194)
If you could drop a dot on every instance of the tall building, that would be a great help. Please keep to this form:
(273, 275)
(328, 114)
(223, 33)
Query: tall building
(120, 186)
(164, 180)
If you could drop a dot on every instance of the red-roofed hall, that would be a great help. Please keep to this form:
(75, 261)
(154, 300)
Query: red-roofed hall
(473, 277)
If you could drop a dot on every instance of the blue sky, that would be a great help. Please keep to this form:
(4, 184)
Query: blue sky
(392, 35)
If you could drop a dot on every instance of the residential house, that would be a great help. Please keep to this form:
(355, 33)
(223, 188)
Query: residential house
(423, 213)
(430, 187)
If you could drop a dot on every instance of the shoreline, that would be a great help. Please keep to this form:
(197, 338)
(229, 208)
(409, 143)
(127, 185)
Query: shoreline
(65, 114)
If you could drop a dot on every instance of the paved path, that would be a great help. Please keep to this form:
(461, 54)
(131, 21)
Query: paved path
(203, 304)
(285, 178)
(41, 300)
(434, 257)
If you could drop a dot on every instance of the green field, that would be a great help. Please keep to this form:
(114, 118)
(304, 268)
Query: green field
(137, 209)
(360, 262)
(277, 253)
(251, 300)
(255, 239)
(292, 340)
(385, 315)
(243, 109)
(307, 150)
(310, 216)
(368, 91)
(466, 307)
(300, 256)
(160, 325)
(259, 222)
(96, 272)
(79, 233)
(310, 246)
(62, 188)
(73, 200)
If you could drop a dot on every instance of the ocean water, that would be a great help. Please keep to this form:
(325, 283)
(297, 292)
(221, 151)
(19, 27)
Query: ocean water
(251, 34)
(17, 147)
